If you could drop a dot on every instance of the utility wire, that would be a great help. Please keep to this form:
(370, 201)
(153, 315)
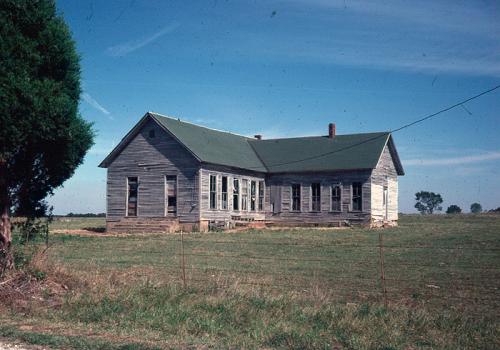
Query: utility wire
(461, 103)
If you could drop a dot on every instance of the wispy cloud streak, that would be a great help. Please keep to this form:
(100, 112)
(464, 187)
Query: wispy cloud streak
(131, 46)
(91, 101)
(454, 161)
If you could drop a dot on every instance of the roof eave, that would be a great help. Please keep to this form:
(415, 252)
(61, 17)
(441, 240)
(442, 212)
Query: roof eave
(317, 171)
(254, 169)
(395, 156)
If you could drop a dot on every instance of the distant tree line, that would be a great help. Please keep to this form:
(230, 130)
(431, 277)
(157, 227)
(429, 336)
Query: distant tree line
(86, 215)
(430, 202)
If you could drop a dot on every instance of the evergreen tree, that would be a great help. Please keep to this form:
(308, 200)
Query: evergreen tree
(43, 139)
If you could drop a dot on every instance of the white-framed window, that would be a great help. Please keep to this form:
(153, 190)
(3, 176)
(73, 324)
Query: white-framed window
(132, 195)
(336, 197)
(296, 197)
(244, 194)
(262, 188)
(253, 195)
(213, 191)
(316, 197)
(236, 194)
(224, 188)
(357, 196)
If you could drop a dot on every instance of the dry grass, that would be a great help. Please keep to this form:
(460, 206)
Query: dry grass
(129, 289)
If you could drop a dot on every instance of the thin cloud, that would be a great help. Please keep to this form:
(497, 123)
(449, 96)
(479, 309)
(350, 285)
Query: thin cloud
(131, 46)
(91, 101)
(459, 17)
(432, 37)
(453, 161)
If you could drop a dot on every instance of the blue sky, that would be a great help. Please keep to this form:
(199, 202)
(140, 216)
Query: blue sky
(288, 68)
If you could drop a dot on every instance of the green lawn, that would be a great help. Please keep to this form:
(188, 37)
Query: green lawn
(289, 288)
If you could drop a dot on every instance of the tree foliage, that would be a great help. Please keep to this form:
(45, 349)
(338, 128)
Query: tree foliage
(43, 139)
(453, 209)
(476, 208)
(428, 202)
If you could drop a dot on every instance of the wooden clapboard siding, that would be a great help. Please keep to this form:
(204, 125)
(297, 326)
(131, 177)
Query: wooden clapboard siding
(220, 214)
(150, 159)
(384, 174)
(327, 180)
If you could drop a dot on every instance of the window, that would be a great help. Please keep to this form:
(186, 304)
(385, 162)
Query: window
(132, 192)
(296, 197)
(151, 134)
(244, 194)
(213, 192)
(253, 193)
(261, 195)
(357, 196)
(316, 197)
(236, 194)
(224, 193)
(171, 193)
(336, 198)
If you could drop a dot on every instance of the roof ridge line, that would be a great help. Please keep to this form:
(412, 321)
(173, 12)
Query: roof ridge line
(198, 125)
(320, 136)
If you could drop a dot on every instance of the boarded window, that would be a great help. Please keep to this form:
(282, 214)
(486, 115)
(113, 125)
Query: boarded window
(296, 196)
(244, 194)
(357, 196)
(132, 194)
(316, 197)
(236, 194)
(253, 194)
(213, 192)
(171, 193)
(261, 195)
(336, 198)
(224, 193)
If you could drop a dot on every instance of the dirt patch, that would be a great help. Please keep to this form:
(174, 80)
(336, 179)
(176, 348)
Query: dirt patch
(14, 345)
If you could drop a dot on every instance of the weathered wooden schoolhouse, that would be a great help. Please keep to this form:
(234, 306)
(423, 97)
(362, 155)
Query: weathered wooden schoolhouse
(167, 175)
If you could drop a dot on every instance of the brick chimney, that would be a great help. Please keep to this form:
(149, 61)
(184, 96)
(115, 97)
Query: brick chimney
(331, 130)
(258, 137)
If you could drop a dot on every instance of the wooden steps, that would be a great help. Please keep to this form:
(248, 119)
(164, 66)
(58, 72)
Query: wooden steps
(143, 225)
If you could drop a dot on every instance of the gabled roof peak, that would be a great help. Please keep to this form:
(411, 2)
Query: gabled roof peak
(293, 154)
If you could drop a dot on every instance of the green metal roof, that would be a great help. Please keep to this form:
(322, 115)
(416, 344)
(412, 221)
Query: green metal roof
(213, 146)
(321, 153)
(301, 154)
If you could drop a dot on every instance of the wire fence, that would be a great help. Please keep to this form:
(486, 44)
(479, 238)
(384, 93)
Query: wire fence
(465, 277)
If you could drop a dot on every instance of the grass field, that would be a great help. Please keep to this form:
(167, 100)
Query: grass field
(272, 289)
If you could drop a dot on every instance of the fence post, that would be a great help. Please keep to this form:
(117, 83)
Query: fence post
(382, 271)
(183, 262)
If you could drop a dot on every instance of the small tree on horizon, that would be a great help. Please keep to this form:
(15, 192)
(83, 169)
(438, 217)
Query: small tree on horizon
(428, 202)
(453, 209)
(476, 208)
(43, 139)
